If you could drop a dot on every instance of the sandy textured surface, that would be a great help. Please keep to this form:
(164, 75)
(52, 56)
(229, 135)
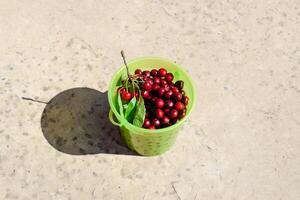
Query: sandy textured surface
(242, 141)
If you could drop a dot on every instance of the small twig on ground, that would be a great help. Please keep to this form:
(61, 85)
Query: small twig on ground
(176, 191)
(196, 196)
(93, 193)
(34, 100)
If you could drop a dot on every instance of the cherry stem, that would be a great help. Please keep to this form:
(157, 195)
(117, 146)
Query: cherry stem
(124, 60)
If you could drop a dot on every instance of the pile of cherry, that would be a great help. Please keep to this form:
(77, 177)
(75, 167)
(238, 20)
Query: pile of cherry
(165, 101)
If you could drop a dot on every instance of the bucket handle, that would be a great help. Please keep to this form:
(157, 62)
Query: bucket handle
(111, 118)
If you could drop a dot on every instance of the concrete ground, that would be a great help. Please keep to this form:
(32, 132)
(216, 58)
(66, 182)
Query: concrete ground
(241, 142)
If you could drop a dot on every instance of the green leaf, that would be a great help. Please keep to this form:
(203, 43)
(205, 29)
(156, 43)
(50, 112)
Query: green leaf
(140, 113)
(120, 104)
(125, 106)
(129, 110)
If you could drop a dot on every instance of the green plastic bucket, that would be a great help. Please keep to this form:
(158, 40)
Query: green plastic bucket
(144, 141)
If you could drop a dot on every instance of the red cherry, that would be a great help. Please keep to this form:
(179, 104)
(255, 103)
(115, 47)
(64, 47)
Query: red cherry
(138, 71)
(135, 94)
(160, 92)
(166, 111)
(147, 123)
(169, 104)
(126, 96)
(169, 77)
(156, 80)
(121, 90)
(159, 103)
(174, 121)
(159, 113)
(182, 115)
(173, 114)
(155, 87)
(151, 127)
(149, 80)
(165, 120)
(168, 94)
(156, 122)
(154, 99)
(146, 73)
(177, 96)
(166, 87)
(162, 72)
(175, 90)
(153, 72)
(185, 100)
(163, 82)
(145, 94)
(179, 106)
(147, 85)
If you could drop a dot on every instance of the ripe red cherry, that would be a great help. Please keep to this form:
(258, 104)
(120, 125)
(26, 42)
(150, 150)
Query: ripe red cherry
(160, 92)
(156, 80)
(147, 123)
(166, 87)
(162, 72)
(154, 99)
(138, 71)
(177, 96)
(175, 90)
(166, 111)
(179, 106)
(126, 96)
(145, 94)
(169, 77)
(168, 94)
(182, 114)
(149, 80)
(163, 82)
(173, 114)
(147, 85)
(159, 113)
(155, 87)
(165, 120)
(153, 72)
(121, 90)
(156, 122)
(146, 73)
(151, 127)
(185, 100)
(159, 103)
(135, 94)
(169, 104)
(174, 121)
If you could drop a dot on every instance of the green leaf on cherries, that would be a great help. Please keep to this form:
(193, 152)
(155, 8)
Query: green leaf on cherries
(120, 104)
(140, 113)
(130, 109)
